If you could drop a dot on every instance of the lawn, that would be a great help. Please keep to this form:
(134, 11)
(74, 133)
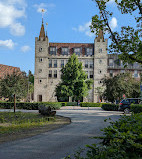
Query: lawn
(14, 122)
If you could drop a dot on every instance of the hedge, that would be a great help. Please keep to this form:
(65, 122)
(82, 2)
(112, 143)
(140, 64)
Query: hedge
(71, 103)
(136, 108)
(110, 107)
(90, 104)
(30, 106)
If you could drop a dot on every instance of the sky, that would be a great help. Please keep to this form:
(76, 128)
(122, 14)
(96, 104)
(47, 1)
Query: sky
(68, 21)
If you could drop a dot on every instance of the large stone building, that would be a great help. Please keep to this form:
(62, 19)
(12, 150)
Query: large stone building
(51, 57)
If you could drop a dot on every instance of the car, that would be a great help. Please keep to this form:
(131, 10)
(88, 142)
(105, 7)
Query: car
(124, 105)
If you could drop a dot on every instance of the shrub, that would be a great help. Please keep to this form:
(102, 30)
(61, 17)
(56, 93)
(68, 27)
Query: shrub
(71, 103)
(63, 103)
(121, 140)
(110, 107)
(90, 104)
(30, 106)
(44, 110)
(136, 108)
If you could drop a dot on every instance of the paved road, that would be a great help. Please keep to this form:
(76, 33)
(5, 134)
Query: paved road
(66, 140)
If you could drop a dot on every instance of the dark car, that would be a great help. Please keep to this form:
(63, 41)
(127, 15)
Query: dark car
(124, 105)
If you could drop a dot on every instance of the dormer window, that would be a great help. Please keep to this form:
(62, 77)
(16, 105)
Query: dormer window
(77, 51)
(65, 51)
(89, 51)
(52, 51)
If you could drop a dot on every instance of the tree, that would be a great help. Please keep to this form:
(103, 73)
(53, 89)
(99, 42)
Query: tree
(120, 84)
(15, 83)
(30, 85)
(127, 44)
(74, 82)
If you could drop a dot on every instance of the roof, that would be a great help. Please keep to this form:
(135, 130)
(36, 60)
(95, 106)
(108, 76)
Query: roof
(5, 70)
(71, 46)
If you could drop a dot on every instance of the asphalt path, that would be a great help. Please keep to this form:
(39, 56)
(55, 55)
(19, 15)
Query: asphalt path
(56, 144)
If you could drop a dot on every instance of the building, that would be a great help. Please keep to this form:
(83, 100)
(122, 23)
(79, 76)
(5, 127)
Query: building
(7, 70)
(51, 57)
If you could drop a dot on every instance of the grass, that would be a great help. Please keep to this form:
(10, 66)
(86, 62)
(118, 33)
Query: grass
(15, 122)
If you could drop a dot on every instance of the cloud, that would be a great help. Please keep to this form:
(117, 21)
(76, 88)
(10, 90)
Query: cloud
(45, 6)
(113, 23)
(111, 1)
(10, 13)
(7, 43)
(84, 29)
(25, 48)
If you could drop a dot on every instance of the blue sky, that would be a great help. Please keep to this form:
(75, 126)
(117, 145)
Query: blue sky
(68, 21)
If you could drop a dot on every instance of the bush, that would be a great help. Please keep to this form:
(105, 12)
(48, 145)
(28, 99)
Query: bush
(30, 106)
(110, 107)
(90, 104)
(121, 140)
(136, 108)
(71, 103)
(44, 110)
(63, 103)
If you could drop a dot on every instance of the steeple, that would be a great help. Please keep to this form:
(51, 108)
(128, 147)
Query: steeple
(42, 31)
(100, 35)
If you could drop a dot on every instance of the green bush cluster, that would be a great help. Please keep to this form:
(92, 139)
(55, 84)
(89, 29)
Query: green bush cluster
(71, 103)
(136, 108)
(90, 104)
(121, 140)
(30, 106)
(110, 107)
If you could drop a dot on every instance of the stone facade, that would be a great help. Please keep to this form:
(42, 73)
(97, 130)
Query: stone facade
(51, 57)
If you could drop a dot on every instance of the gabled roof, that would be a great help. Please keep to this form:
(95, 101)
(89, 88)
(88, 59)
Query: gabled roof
(5, 70)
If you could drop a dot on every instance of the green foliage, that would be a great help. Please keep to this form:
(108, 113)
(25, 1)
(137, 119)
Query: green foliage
(121, 140)
(127, 43)
(136, 108)
(121, 84)
(90, 104)
(74, 82)
(15, 83)
(13, 122)
(71, 103)
(110, 107)
(30, 106)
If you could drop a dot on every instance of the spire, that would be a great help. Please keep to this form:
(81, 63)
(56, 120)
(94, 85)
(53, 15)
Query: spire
(100, 35)
(42, 31)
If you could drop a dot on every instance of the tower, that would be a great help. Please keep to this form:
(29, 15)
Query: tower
(41, 63)
(100, 63)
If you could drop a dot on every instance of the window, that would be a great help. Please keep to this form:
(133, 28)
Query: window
(100, 61)
(77, 51)
(100, 50)
(40, 70)
(91, 63)
(52, 51)
(40, 49)
(39, 98)
(100, 82)
(40, 59)
(100, 71)
(55, 63)
(89, 51)
(135, 73)
(55, 73)
(62, 63)
(40, 81)
(110, 63)
(91, 74)
(86, 63)
(65, 51)
(50, 74)
(111, 73)
(50, 63)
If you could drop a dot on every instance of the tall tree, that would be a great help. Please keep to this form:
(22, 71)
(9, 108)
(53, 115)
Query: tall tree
(127, 43)
(74, 82)
(15, 83)
(121, 84)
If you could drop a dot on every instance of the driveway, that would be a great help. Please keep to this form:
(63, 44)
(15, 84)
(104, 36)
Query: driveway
(58, 143)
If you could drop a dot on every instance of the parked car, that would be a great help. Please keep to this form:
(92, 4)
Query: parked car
(124, 105)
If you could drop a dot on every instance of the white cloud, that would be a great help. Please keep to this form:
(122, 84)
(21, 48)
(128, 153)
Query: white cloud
(113, 23)
(17, 29)
(45, 6)
(10, 12)
(84, 29)
(25, 48)
(7, 43)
